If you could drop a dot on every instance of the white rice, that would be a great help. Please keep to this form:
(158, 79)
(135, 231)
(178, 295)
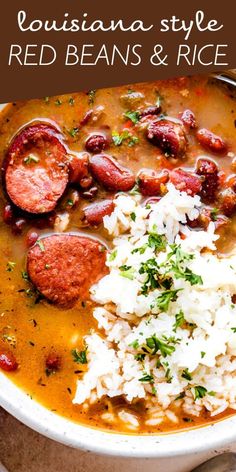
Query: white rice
(200, 369)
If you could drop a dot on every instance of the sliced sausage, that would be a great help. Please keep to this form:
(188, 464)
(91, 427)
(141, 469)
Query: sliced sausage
(94, 213)
(64, 266)
(97, 143)
(211, 142)
(110, 174)
(185, 181)
(208, 170)
(168, 136)
(150, 181)
(36, 172)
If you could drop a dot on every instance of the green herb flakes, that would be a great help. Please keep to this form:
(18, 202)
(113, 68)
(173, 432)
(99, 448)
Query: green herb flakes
(10, 266)
(164, 299)
(134, 116)
(31, 159)
(179, 320)
(199, 392)
(80, 357)
(186, 375)
(39, 243)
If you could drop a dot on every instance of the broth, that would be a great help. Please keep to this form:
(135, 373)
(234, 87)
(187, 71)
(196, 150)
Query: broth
(32, 329)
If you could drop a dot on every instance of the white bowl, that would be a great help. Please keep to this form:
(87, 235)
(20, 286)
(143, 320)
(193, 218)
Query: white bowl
(19, 404)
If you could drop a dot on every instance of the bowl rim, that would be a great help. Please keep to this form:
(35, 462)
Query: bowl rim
(34, 415)
(55, 427)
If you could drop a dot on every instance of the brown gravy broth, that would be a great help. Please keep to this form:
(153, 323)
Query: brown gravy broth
(33, 330)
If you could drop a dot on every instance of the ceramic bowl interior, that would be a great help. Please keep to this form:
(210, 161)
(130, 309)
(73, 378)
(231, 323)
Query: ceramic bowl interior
(19, 404)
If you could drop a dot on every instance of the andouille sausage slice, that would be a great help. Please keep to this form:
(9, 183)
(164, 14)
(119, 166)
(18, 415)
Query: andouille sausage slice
(35, 170)
(64, 266)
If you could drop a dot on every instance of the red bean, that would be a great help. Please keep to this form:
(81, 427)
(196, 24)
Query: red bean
(154, 110)
(8, 215)
(231, 182)
(188, 119)
(78, 166)
(53, 362)
(87, 117)
(185, 181)
(150, 181)
(94, 213)
(168, 136)
(19, 225)
(31, 238)
(227, 199)
(111, 174)
(8, 362)
(208, 170)
(211, 142)
(86, 182)
(96, 143)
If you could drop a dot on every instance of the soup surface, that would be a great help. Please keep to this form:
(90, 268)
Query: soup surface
(143, 126)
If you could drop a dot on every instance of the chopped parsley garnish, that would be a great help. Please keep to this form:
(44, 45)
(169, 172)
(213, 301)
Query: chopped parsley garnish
(24, 275)
(199, 392)
(150, 268)
(134, 344)
(203, 354)
(134, 116)
(125, 136)
(73, 132)
(214, 214)
(10, 266)
(133, 216)
(187, 420)
(234, 330)
(164, 345)
(177, 265)
(40, 244)
(91, 96)
(186, 375)
(180, 396)
(147, 378)
(135, 190)
(80, 357)
(127, 272)
(58, 102)
(164, 299)
(157, 241)
(31, 159)
(179, 320)
(140, 357)
(113, 255)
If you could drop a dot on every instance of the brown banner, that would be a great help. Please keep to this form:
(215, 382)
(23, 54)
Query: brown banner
(50, 47)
